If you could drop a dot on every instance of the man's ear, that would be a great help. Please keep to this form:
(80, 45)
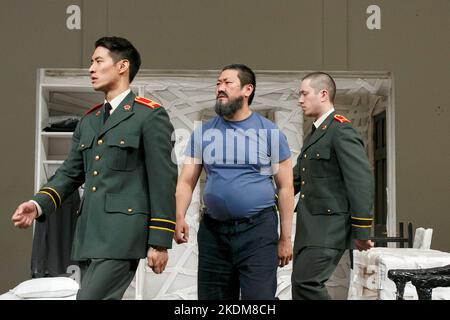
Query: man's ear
(124, 65)
(249, 88)
(324, 95)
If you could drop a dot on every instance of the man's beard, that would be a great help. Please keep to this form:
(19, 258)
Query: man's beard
(229, 108)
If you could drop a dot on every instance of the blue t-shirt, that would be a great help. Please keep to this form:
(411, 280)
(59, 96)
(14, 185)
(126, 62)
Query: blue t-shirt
(238, 157)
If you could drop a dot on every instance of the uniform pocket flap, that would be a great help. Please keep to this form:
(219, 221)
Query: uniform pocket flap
(328, 205)
(128, 204)
(85, 142)
(123, 140)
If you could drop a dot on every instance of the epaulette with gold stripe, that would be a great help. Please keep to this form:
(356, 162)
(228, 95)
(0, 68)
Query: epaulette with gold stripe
(162, 224)
(361, 222)
(147, 102)
(52, 194)
(97, 106)
(340, 118)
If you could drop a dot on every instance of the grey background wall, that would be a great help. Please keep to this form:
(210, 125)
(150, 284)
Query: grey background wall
(265, 34)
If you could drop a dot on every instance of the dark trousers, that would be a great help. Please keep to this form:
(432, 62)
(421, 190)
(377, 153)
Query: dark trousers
(105, 279)
(312, 267)
(238, 257)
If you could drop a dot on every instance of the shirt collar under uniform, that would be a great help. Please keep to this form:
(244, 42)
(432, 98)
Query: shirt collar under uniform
(319, 121)
(117, 100)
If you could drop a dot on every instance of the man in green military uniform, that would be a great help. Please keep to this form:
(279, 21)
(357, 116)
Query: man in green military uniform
(121, 151)
(335, 182)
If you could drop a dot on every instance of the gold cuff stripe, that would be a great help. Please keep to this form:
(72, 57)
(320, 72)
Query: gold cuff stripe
(358, 226)
(164, 229)
(162, 220)
(54, 195)
(162, 223)
(56, 192)
(362, 222)
(362, 218)
(51, 197)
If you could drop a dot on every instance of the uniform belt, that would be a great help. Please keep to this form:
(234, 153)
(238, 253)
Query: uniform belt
(237, 222)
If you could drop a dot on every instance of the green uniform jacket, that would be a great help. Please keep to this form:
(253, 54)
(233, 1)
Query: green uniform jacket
(336, 187)
(129, 181)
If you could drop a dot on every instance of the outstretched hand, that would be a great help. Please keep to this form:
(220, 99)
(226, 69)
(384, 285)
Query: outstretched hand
(24, 215)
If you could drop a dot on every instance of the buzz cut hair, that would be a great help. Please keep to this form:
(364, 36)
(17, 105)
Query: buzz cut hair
(321, 80)
(245, 75)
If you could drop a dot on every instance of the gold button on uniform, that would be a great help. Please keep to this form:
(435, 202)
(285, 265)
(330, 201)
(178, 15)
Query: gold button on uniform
(82, 145)
(303, 169)
(318, 155)
(122, 142)
(95, 173)
(97, 157)
(100, 141)
(304, 156)
(130, 210)
(329, 210)
(303, 183)
(302, 196)
(94, 189)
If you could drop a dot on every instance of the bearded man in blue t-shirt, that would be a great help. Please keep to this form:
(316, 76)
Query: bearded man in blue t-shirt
(243, 154)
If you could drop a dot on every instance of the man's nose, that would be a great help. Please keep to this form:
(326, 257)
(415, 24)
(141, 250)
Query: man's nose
(220, 87)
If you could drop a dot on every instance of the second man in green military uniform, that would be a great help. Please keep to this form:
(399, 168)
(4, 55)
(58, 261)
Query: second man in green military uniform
(335, 182)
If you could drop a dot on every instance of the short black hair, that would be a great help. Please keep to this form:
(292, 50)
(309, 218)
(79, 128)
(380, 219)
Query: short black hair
(321, 80)
(245, 75)
(121, 48)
